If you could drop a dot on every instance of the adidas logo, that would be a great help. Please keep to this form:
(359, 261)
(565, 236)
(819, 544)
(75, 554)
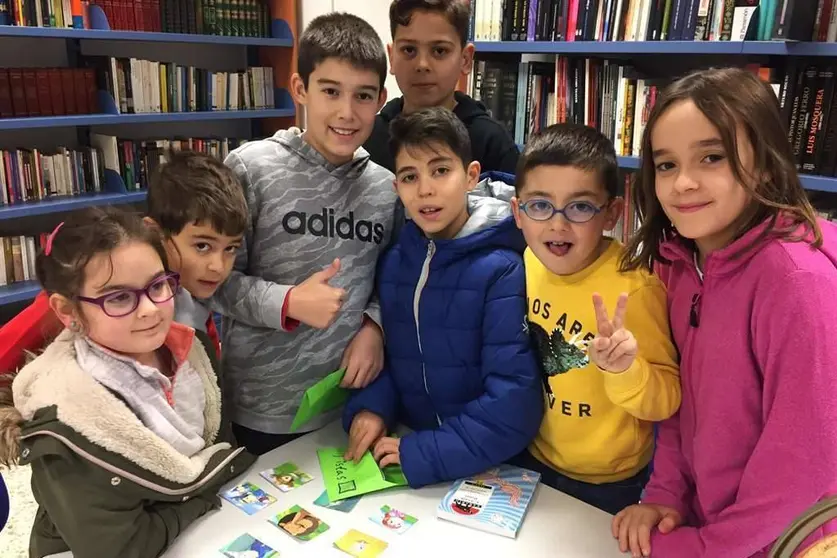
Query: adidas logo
(325, 224)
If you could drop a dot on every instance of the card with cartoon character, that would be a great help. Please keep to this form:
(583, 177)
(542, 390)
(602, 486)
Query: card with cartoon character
(286, 477)
(344, 506)
(393, 519)
(360, 545)
(248, 546)
(299, 524)
(248, 497)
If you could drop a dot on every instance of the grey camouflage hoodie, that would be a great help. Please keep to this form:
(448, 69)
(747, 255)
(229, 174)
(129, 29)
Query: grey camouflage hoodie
(304, 213)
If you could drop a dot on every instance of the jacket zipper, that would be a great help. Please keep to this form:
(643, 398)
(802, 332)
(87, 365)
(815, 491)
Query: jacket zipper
(425, 272)
(135, 478)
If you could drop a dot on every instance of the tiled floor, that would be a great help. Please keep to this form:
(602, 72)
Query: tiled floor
(14, 539)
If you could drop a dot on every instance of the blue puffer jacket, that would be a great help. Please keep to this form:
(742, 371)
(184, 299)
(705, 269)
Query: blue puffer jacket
(459, 370)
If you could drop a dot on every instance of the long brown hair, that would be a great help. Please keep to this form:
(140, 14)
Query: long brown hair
(732, 99)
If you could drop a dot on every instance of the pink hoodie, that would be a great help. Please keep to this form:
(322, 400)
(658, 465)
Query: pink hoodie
(755, 441)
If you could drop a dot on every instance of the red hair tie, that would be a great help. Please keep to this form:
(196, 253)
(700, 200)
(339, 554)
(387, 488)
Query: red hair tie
(51, 237)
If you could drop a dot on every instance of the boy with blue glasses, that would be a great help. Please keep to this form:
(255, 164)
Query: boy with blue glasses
(607, 377)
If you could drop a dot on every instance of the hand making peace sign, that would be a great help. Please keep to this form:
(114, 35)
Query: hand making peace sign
(614, 348)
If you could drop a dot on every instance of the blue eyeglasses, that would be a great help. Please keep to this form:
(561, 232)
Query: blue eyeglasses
(575, 212)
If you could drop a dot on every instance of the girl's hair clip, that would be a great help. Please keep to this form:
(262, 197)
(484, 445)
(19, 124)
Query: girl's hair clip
(51, 237)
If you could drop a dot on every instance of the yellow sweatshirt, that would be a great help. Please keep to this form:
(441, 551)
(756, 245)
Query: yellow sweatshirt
(597, 425)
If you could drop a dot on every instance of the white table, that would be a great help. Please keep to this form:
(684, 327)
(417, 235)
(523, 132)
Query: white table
(556, 525)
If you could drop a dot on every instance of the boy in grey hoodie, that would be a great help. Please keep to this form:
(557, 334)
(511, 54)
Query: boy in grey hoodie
(299, 303)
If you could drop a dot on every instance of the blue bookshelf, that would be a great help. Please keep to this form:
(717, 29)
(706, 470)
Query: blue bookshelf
(68, 203)
(19, 292)
(282, 36)
(618, 48)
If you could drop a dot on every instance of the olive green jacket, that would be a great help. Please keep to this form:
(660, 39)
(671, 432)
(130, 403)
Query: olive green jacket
(106, 485)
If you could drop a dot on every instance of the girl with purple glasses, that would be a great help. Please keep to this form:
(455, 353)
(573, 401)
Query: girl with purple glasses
(120, 417)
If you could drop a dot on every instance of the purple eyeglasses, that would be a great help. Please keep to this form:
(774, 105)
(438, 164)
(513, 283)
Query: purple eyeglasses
(123, 302)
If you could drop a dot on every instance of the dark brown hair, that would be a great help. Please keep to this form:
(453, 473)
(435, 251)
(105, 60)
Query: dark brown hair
(86, 233)
(192, 187)
(457, 12)
(344, 37)
(429, 127)
(571, 145)
(732, 99)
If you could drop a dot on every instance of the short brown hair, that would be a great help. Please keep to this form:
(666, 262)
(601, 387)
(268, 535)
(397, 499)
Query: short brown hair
(457, 12)
(571, 145)
(344, 37)
(732, 99)
(430, 127)
(192, 187)
(85, 234)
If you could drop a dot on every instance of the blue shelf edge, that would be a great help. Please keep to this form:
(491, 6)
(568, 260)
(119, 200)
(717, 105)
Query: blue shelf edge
(780, 48)
(284, 107)
(280, 31)
(19, 292)
(68, 203)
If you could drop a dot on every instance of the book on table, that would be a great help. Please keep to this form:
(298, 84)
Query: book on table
(495, 501)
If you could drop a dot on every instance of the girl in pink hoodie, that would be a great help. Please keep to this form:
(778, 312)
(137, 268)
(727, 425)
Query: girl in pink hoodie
(752, 293)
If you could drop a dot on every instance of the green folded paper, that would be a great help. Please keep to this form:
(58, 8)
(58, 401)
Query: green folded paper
(322, 397)
(344, 479)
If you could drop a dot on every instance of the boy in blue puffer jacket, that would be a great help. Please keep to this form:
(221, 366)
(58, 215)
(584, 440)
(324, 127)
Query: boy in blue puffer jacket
(459, 370)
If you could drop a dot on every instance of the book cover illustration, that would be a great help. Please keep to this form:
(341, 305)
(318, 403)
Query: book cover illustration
(286, 477)
(248, 546)
(495, 501)
(360, 545)
(299, 524)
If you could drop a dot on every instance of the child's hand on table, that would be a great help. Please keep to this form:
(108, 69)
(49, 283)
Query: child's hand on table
(363, 359)
(633, 525)
(614, 348)
(387, 451)
(367, 428)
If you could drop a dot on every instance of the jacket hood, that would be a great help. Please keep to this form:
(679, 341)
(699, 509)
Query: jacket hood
(467, 109)
(293, 140)
(55, 380)
(489, 226)
(731, 258)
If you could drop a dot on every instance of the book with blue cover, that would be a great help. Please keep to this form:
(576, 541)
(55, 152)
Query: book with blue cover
(495, 501)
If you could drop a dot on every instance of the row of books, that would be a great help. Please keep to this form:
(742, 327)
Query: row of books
(47, 92)
(28, 175)
(42, 13)
(616, 99)
(17, 258)
(235, 18)
(653, 20)
(142, 86)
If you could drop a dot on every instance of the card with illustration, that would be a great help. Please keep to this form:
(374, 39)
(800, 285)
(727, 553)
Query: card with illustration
(286, 477)
(248, 546)
(344, 506)
(393, 519)
(248, 497)
(299, 524)
(360, 545)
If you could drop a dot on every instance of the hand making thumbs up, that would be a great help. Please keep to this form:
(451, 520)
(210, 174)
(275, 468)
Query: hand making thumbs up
(314, 301)
(614, 348)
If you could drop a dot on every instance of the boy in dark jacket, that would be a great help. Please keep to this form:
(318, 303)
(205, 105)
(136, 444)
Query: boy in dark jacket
(428, 56)
(458, 369)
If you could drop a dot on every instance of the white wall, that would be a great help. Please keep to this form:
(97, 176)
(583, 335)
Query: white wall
(375, 12)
